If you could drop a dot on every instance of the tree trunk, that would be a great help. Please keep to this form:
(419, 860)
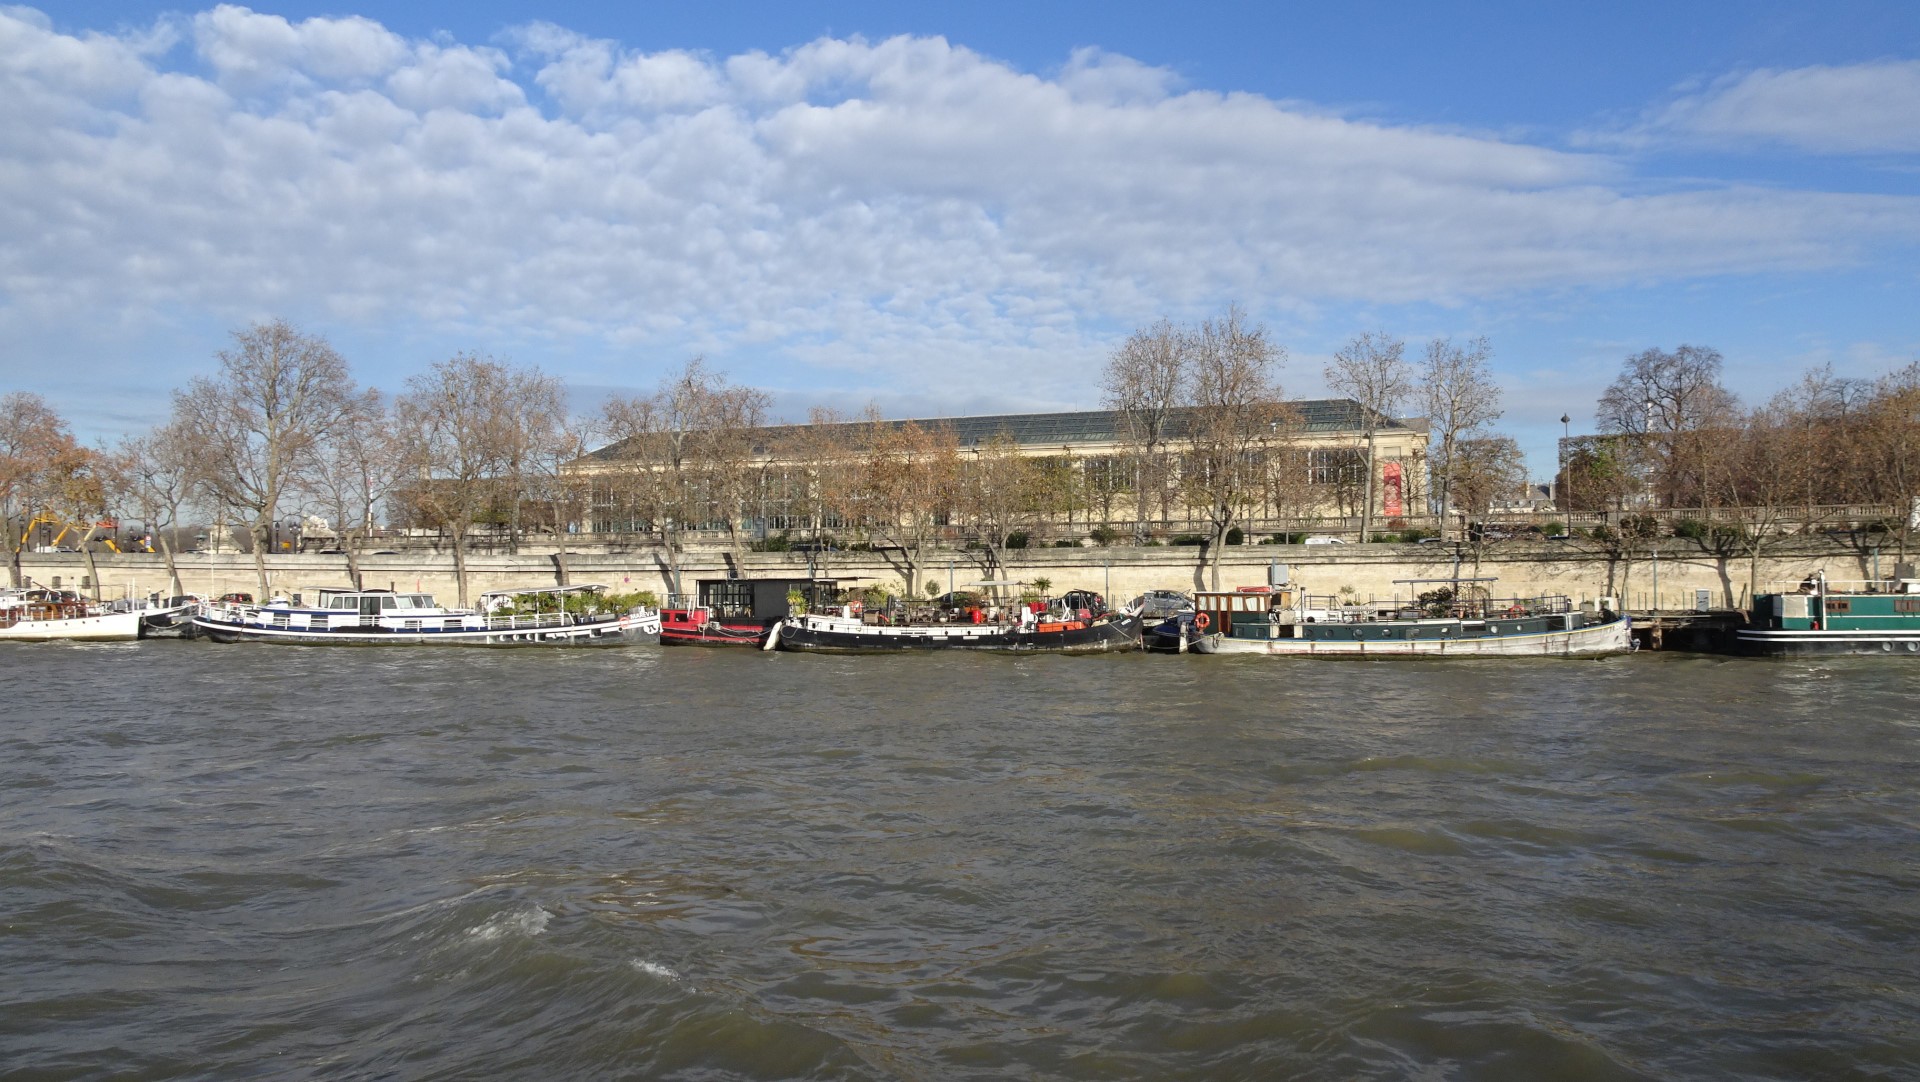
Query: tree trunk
(1217, 547)
(460, 564)
(1366, 498)
(673, 564)
(1145, 500)
(93, 570)
(259, 534)
(173, 567)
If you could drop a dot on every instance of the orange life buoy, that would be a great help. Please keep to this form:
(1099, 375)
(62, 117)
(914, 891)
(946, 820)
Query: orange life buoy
(1201, 620)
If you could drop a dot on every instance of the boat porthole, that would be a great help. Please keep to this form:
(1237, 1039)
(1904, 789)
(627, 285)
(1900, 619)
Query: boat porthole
(1887, 646)
(1912, 646)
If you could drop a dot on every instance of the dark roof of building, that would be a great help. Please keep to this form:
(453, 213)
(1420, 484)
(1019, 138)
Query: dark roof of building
(1066, 429)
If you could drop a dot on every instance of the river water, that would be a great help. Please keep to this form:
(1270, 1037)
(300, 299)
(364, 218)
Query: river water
(255, 861)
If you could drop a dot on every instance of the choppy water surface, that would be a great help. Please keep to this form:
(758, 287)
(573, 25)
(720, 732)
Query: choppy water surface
(250, 861)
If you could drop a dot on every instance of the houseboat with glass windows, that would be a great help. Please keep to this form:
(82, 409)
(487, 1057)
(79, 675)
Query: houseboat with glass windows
(738, 612)
(1450, 618)
(1877, 618)
(386, 618)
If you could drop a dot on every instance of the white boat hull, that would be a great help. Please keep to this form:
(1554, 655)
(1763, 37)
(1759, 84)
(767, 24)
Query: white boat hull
(626, 630)
(106, 627)
(1613, 637)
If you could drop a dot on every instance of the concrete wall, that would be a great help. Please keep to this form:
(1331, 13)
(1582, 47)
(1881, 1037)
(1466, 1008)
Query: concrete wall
(1580, 570)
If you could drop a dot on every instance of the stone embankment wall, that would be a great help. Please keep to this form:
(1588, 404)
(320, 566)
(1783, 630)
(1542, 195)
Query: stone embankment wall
(1581, 570)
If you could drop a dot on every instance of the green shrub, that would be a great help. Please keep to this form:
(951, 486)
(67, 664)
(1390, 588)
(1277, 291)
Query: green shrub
(1641, 527)
(1063, 543)
(1236, 536)
(1017, 539)
(1188, 539)
(1691, 528)
(1104, 535)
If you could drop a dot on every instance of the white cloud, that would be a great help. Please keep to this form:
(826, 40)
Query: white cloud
(1871, 108)
(902, 211)
(254, 51)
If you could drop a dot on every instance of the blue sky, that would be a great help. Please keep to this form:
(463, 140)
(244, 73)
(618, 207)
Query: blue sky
(953, 208)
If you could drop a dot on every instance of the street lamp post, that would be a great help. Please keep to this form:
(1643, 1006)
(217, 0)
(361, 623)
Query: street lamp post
(1566, 471)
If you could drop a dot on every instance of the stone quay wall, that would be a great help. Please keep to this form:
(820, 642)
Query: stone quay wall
(1582, 570)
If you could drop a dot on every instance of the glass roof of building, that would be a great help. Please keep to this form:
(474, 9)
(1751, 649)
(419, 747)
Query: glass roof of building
(1066, 429)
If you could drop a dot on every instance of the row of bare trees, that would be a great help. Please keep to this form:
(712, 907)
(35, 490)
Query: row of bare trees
(1203, 428)
(281, 425)
(1674, 438)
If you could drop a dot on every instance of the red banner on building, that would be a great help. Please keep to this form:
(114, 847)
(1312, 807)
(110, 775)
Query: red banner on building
(1392, 490)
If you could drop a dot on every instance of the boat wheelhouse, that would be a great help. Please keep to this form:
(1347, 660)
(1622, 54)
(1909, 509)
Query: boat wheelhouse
(1873, 617)
(738, 612)
(386, 617)
(1451, 618)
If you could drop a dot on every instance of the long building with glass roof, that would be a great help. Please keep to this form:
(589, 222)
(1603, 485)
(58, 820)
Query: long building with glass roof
(1093, 446)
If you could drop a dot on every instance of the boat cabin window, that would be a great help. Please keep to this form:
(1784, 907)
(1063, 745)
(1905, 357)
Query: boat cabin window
(339, 602)
(1839, 604)
(419, 601)
(729, 600)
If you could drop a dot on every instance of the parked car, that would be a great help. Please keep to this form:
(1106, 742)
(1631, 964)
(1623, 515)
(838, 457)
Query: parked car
(1322, 539)
(1160, 604)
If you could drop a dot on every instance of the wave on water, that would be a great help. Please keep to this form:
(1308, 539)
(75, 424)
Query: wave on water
(524, 923)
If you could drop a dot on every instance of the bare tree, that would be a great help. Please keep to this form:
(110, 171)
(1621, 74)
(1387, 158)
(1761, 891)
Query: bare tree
(1144, 384)
(1488, 469)
(823, 448)
(1235, 411)
(1890, 430)
(1000, 494)
(79, 483)
(259, 423)
(1461, 399)
(459, 418)
(1370, 370)
(356, 470)
(1673, 401)
(531, 443)
(908, 485)
(1754, 473)
(155, 473)
(730, 435)
(564, 495)
(33, 438)
(1287, 474)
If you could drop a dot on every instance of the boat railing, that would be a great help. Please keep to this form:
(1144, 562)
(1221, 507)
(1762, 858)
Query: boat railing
(539, 620)
(1335, 610)
(1842, 586)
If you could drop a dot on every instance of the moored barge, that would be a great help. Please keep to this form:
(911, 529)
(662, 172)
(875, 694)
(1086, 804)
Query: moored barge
(1456, 618)
(1877, 618)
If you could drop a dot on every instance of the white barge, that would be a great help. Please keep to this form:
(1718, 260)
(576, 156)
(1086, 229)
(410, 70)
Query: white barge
(387, 618)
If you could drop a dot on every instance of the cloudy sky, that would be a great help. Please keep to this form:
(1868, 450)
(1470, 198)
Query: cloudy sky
(953, 208)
